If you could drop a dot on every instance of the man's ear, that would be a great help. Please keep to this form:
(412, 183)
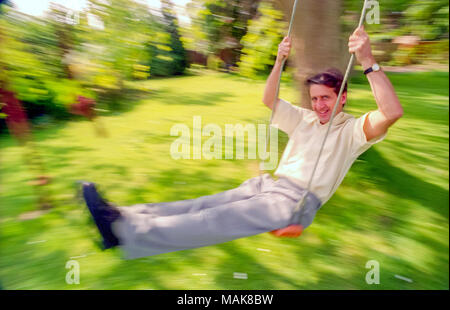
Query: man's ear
(344, 99)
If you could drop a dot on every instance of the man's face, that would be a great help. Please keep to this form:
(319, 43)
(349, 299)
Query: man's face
(323, 99)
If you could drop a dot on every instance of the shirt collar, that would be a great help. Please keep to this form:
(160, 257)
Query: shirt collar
(338, 119)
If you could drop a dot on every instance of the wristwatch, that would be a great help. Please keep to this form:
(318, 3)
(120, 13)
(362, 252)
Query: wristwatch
(374, 68)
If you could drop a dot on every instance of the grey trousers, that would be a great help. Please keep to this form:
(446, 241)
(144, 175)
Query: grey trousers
(258, 205)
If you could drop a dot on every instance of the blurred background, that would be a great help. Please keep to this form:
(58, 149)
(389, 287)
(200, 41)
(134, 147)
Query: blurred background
(89, 90)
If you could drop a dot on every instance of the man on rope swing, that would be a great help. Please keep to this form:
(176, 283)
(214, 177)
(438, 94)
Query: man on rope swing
(262, 204)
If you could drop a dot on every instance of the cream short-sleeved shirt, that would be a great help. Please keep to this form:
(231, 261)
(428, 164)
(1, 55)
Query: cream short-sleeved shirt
(346, 141)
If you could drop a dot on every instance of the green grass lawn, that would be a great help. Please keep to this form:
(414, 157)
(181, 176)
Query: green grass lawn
(392, 206)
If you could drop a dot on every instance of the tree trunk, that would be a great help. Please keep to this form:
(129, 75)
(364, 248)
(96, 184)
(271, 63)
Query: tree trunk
(316, 40)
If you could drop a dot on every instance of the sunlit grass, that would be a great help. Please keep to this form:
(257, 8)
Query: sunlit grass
(392, 206)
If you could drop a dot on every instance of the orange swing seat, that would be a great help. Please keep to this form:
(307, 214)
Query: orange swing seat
(291, 231)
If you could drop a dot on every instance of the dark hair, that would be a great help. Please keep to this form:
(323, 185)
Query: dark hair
(331, 78)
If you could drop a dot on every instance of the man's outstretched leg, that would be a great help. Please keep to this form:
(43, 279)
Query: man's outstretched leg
(104, 213)
(246, 190)
(143, 235)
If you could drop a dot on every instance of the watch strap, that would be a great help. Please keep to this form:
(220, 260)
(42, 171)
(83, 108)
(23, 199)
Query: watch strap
(368, 71)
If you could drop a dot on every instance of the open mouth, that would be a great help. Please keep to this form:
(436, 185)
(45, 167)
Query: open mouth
(324, 113)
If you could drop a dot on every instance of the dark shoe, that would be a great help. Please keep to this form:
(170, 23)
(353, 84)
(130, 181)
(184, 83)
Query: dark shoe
(103, 213)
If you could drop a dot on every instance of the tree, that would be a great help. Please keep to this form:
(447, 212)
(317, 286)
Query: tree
(220, 24)
(64, 31)
(316, 39)
(427, 19)
(5, 2)
(260, 44)
(114, 50)
(170, 58)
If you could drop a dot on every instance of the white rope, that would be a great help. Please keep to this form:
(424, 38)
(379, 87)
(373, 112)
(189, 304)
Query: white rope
(294, 9)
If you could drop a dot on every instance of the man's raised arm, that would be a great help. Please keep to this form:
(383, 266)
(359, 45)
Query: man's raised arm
(271, 85)
(389, 107)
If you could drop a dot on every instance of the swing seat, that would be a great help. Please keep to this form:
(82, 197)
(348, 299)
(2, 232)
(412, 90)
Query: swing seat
(291, 231)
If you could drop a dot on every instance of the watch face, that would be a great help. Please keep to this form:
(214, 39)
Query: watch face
(376, 67)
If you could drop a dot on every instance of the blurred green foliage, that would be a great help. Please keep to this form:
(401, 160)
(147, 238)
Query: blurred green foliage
(427, 20)
(222, 23)
(423, 18)
(48, 61)
(217, 29)
(260, 44)
(31, 64)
